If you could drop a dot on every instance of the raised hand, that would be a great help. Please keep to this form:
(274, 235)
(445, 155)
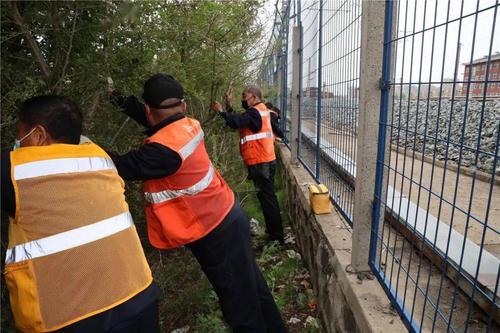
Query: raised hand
(216, 106)
(228, 98)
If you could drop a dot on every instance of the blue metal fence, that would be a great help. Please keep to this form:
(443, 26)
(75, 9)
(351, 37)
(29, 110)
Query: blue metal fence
(438, 169)
(329, 96)
(435, 244)
(329, 91)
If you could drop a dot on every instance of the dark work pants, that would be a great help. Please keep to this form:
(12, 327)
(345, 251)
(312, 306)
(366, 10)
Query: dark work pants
(262, 175)
(146, 321)
(226, 257)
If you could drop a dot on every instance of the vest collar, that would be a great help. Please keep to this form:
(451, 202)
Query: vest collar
(151, 131)
(255, 106)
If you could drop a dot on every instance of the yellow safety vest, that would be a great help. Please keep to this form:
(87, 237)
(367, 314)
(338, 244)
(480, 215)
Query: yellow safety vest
(73, 248)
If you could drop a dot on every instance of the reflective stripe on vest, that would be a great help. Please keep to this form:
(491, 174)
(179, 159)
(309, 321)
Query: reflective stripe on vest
(190, 147)
(258, 147)
(71, 224)
(62, 165)
(187, 205)
(159, 197)
(257, 136)
(69, 239)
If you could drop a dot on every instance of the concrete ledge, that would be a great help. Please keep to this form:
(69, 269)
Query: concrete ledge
(346, 303)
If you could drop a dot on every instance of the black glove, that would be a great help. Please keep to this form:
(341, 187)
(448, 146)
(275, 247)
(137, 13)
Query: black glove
(117, 98)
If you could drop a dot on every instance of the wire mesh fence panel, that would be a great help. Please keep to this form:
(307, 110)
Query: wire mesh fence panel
(285, 58)
(292, 21)
(276, 70)
(271, 69)
(438, 248)
(436, 228)
(307, 151)
(339, 92)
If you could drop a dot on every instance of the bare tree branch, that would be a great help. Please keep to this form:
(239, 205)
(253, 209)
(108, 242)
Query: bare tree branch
(58, 87)
(209, 120)
(35, 49)
(94, 104)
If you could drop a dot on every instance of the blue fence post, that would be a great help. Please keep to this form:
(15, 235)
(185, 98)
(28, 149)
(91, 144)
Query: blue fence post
(371, 64)
(284, 54)
(320, 82)
(301, 53)
(284, 99)
(378, 203)
(284, 60)
(384, 103)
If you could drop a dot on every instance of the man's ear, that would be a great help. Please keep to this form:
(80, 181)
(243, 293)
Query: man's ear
(149, 116)
(41, 137)
(183, 107)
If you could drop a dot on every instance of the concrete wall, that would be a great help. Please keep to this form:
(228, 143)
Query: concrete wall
(347, 303)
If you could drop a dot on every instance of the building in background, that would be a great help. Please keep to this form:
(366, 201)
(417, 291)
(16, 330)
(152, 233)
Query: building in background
(476, 73)
(313, 92)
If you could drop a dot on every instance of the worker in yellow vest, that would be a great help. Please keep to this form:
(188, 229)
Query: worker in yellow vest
(189, 203)
(74, 261)
(256, 130)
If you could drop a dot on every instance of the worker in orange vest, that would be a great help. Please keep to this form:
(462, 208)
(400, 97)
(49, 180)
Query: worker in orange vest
(257, 150)
(189, 203)
(74, 262)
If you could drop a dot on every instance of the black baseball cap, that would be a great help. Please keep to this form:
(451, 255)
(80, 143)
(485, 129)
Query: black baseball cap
(160, 87)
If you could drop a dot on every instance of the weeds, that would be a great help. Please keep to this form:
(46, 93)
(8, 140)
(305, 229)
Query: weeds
(188, 302)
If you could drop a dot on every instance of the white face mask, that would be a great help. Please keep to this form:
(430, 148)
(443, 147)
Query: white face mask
(17, 143)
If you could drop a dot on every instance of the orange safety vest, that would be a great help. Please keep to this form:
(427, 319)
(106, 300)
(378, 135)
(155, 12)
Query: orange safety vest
(185, 206)
(258, 147)
(73, 248)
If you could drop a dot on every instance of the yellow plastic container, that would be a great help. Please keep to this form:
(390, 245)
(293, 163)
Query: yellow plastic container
(320, 199)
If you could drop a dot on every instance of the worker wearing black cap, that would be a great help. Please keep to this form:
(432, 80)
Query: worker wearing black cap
(189, 203)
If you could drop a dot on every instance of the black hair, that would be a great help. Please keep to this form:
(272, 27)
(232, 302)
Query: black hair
(61, 117)
(270, 106)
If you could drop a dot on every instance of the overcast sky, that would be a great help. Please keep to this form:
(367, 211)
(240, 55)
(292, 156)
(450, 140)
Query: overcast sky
(445, 44)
